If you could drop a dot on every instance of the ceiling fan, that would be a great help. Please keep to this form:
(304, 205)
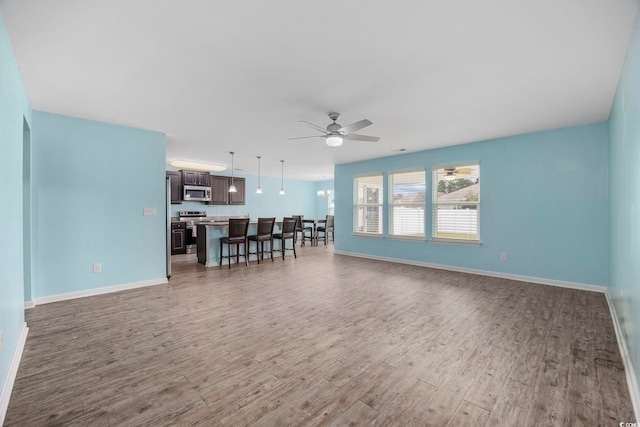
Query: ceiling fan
(451, 174)
(335, 133)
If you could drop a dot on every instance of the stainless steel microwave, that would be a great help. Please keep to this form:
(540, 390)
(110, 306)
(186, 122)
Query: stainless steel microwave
(196, 193)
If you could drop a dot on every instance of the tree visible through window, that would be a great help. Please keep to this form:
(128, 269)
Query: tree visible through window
(368, 204)
(456, 202)
(406, 210)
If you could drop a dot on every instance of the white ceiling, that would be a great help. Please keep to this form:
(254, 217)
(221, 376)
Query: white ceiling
(220, 76)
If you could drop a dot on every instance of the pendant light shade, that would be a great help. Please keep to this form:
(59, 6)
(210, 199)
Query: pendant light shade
(259, 189)
(282, 183)
(232, 188)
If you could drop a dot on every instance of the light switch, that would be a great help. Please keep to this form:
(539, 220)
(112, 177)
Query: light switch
(150, 211)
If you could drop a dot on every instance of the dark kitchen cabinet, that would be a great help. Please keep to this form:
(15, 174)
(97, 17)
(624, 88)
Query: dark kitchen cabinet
(178, 238)
(220, 191)
(176, 187)
(195, 178)
(237, 198)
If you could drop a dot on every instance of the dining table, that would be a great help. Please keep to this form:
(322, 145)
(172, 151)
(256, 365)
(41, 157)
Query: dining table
(314, 234)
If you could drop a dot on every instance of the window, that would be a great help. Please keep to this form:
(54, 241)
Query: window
(368, 205)
(456, 203)
(406, 210)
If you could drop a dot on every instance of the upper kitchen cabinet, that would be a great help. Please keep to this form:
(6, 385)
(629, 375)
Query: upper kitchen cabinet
(195, 178)
(237, 198)
(176, 187)
(220, 191)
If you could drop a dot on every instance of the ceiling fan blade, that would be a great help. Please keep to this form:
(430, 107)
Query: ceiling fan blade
(305, 137)
(356, 137)
(316, 127)
(355, 126)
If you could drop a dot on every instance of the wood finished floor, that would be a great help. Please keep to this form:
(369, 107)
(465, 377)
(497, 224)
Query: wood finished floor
(323, 340)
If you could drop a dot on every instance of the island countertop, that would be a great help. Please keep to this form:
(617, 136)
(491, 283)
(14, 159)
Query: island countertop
(208, 236)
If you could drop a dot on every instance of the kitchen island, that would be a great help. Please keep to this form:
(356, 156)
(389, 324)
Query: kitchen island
(208, 240)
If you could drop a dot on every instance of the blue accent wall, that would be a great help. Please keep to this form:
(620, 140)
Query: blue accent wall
(543, 200)
(90, 184)
(624, 194)
(14, 112)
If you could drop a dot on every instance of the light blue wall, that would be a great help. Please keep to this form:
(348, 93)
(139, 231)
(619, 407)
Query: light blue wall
(322, 202)
(543, 201)
(14, 110)
(91, 183)
(624, 194)
(299, 199)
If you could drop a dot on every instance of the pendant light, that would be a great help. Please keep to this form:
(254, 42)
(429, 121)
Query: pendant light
(232, 188)
(259, 189)
(282, 184)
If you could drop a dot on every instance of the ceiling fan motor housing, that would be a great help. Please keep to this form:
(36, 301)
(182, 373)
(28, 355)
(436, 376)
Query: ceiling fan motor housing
(334, 128)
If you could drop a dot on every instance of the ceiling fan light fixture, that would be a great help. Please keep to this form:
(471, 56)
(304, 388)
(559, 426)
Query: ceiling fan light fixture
(450, 176)
(334, 140)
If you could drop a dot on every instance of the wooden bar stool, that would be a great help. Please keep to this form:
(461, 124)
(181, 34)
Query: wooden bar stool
(238, 229)
(326, 229)
(263, 234)
(303, 230)
(288, 233)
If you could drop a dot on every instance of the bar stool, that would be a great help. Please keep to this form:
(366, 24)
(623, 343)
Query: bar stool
(238, 228)
(300, 228)
(326, 229)
(288, 233)
(263, 234)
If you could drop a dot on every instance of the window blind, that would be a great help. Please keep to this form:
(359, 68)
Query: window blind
(456, 202)
(407, 203)
(368, 204)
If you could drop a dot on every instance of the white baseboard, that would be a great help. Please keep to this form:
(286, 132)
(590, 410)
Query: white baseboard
(7, 387)
(632, 381)
(541, 281)
(28, 305)
(98, 291)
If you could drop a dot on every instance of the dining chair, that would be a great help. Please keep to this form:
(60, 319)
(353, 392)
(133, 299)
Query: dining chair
(264, 233)
(326, 229)
(302, 230)
(238, 229)
(288, 232)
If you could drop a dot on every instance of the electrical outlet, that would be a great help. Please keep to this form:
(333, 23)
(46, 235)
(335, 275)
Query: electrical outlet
(150, 211)
(503, 256)
(97, 267)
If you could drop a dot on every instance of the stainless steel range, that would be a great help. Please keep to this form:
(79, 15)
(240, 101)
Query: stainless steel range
(190, 218)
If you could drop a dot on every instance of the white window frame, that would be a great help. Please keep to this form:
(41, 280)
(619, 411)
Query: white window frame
(437, 204)
(393, 233)
(362, 231)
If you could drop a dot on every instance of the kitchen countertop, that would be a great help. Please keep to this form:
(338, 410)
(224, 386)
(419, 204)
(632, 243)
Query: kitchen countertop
(206, 221)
